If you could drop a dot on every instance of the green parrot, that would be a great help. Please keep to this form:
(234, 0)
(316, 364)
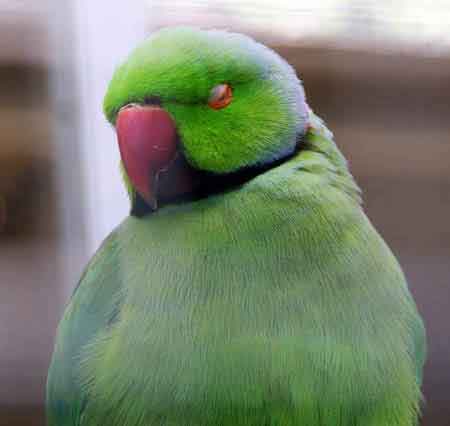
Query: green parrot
(247, 287)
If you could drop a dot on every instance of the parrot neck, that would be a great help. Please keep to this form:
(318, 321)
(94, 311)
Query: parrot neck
(315, 152)
(322, 157)
(207, 184)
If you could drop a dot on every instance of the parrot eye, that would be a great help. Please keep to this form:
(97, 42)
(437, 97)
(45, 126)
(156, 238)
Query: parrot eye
(220, 96)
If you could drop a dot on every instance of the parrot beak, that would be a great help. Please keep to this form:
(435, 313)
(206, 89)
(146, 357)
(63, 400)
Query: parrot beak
(147, 139)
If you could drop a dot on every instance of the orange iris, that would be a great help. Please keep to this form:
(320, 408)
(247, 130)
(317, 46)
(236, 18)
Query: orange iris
(221, 96)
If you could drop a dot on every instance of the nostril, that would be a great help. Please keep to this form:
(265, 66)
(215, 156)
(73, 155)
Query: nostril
(149, 100)
(130, 105)
(152, 100)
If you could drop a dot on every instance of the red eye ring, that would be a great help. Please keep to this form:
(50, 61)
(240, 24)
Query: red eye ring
(220, 96)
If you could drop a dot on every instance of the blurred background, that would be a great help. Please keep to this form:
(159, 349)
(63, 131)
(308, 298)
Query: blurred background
(377, 71)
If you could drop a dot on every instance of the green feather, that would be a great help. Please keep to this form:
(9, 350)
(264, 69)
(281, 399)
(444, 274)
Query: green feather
(180, 66)
(276, 303)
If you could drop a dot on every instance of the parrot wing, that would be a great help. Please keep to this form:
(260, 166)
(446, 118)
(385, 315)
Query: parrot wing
(92, 308)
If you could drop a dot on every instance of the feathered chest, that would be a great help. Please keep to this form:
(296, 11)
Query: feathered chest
(245, 317)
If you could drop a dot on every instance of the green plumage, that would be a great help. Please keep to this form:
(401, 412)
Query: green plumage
(276, 303)
(180, 66)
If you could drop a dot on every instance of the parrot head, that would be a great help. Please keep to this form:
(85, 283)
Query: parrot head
(197, 110)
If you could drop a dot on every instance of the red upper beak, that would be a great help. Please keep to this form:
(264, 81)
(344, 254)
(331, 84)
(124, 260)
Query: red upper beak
(148, 145)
